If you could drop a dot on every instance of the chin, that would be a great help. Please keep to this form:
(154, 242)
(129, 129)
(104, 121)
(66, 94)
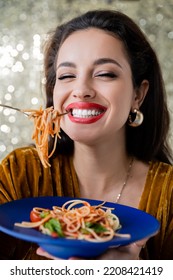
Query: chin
(82, 133)
(82, 138)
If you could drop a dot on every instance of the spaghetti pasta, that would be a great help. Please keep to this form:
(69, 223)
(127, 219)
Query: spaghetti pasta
(77, 219)
(46, 124)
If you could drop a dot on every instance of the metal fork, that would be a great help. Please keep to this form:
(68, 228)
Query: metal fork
(25, 113)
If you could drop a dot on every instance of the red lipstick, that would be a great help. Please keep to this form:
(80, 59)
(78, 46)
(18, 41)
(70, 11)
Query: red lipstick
(85, 112)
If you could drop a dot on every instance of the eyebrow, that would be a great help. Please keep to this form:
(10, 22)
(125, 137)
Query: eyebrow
(99, 61)
(106, 60)
(66, 64)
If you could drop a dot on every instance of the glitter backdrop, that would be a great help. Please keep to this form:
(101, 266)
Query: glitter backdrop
(24, 26)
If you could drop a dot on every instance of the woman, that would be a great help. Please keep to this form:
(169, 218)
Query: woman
(100, 68)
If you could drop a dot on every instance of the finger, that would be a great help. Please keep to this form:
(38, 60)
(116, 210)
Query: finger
(43, 253)
(141, 243)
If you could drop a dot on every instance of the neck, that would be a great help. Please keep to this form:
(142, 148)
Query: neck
(101, 170)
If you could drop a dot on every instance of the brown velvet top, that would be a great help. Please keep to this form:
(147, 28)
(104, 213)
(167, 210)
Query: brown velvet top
(22, 175)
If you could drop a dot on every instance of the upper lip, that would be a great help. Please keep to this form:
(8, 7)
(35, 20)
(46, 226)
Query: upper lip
(85, 105)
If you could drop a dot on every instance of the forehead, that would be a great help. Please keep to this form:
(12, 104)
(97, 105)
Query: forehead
(90, 42)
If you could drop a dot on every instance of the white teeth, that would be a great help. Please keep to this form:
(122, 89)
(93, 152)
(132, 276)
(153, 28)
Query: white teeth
(84, 113)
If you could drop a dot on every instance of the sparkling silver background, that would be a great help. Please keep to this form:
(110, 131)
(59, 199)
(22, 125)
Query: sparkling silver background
(24, 27)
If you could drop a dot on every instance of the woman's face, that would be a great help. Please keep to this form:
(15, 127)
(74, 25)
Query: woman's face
(93, 82)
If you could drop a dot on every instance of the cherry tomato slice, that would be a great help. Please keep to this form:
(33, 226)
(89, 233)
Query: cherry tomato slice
(54, 234)
(34, 217)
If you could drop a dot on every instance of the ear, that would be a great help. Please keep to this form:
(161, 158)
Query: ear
(140, 94)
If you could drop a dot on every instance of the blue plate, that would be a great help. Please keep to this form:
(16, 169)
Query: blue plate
(134, 222)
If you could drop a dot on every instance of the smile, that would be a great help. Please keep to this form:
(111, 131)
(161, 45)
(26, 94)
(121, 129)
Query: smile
(79, 113)
(85, 112)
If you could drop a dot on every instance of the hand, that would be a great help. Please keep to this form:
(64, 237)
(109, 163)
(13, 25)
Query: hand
(130, 252)
(43, 253)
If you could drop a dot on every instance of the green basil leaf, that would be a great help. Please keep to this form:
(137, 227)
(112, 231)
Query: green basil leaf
(56, 227)
(44, 214)
(98, 228)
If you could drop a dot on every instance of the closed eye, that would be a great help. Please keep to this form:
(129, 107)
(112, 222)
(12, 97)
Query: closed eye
(107, 75)
(67, 76)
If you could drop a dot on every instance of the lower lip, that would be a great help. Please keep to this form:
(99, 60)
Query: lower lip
(85, 120)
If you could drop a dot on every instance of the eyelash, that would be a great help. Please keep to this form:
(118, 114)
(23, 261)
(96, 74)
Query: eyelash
(106, 74)
(66, 77)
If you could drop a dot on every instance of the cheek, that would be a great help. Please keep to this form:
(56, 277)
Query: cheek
(58, 98)
(56, 102)
(121, 105)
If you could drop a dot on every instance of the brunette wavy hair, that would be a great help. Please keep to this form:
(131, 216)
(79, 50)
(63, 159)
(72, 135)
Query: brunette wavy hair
(148, 141)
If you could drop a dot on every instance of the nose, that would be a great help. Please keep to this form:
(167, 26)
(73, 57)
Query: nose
(84, 92)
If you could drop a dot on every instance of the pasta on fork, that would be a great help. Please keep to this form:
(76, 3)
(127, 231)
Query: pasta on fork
(46, 124)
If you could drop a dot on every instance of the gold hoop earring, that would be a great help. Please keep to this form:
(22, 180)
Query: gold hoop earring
(136, 119)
